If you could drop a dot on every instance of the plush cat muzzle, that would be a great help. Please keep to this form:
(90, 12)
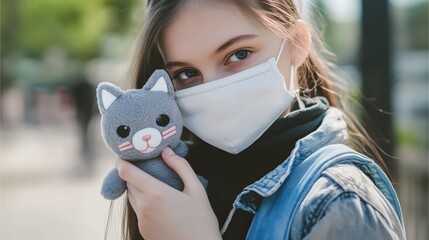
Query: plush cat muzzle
(146, 140)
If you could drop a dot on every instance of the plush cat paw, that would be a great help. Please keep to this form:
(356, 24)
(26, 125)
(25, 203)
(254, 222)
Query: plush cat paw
(113, 186)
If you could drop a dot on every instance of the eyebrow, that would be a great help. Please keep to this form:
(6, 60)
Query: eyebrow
(234, 40)
(224, 46)
(175, 64)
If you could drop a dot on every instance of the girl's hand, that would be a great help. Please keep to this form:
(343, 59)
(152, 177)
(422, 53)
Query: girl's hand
(164, 212)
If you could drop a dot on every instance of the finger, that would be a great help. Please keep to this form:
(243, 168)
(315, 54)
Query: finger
(183, 169)
(137, 177)
(137, 194)
(138, 200)
(132, 201)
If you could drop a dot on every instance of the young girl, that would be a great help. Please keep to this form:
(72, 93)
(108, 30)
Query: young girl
(266, 128)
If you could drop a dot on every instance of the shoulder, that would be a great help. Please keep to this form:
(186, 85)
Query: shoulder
(345, 203)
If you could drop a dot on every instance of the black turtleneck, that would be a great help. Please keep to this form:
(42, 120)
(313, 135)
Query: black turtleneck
(228, 174)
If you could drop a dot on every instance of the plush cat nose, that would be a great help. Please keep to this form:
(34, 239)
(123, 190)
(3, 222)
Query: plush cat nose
(146, 137)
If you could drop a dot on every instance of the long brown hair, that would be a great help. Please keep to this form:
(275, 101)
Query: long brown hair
(315, 75)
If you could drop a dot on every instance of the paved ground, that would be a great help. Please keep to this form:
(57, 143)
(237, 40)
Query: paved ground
(45, 192)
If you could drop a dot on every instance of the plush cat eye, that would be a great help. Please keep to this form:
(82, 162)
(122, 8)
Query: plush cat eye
(123, 131)
(162, 120)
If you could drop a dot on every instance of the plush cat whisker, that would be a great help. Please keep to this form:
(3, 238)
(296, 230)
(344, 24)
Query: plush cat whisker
(169, 132)
(124, 144)
(128, 147)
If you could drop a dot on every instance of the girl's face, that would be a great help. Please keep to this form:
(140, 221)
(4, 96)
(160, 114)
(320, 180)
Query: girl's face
(213, 40)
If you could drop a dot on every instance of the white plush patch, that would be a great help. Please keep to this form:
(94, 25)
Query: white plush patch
(107, 98)
(160, 85)
(146, 140)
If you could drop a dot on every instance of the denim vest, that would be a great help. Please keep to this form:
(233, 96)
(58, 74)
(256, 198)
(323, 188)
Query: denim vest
(275, 198)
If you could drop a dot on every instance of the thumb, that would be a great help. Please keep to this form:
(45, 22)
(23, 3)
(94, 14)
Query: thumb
(183, 169)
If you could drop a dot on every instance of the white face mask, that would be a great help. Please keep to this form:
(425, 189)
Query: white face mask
(233, 112)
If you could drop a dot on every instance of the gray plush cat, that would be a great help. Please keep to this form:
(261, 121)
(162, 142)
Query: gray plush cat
(137, 125)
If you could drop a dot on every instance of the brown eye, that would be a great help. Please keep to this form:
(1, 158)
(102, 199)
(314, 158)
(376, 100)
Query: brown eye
(162, 120)
(123, 131)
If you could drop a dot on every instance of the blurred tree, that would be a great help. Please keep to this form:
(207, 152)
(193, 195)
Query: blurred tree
(341, 36)
(8, 38)
(73, 25)
(121, 14)
(325, 24)
(417, 26)
(411, 30)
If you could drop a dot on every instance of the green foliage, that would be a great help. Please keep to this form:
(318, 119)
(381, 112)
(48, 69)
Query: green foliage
(340, 37)
(74, 25)
(417, 25)
(121, 13)
(408, 137)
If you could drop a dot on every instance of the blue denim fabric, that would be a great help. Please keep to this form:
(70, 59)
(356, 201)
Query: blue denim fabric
(345, 204)
(283, 196)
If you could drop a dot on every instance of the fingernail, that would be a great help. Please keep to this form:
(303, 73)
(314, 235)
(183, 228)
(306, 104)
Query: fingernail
(168, 151)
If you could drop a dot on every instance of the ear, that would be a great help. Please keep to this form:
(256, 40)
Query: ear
(160, 81)
(107, 93)
(302, 45)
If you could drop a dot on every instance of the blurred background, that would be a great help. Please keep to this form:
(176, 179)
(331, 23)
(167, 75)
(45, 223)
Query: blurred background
(54, 53)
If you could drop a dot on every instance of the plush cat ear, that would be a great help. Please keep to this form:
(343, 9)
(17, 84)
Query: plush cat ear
(160, 81)
(107, 93)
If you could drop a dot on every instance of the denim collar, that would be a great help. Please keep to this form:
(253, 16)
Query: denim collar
(332, 130)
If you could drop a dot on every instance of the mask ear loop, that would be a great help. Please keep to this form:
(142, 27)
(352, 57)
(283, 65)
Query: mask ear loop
(292, 78)
(292, 87)
(280, 50)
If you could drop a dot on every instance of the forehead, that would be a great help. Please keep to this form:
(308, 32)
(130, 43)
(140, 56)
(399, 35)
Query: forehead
(200, 29)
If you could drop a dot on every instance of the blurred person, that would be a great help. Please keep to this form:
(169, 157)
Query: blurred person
(83, 95)
(283, 157)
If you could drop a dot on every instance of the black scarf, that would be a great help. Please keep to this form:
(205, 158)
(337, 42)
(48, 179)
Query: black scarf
(228, 174)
